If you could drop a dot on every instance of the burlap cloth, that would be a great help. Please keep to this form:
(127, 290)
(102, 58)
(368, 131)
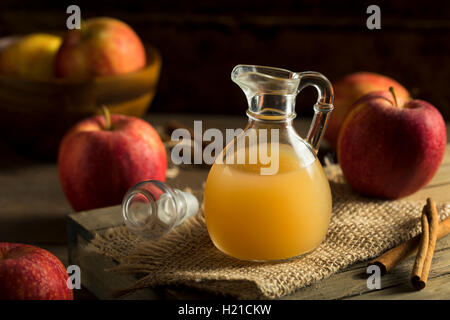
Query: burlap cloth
(361, 228)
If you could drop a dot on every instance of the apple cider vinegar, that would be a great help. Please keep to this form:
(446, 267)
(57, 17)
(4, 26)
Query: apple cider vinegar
(267, 217)
(274, 203)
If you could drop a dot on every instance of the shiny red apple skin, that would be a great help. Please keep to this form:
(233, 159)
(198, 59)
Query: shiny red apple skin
(349, 89)
(31, 273)
(97, 166)
(102, 47)
(390, 152)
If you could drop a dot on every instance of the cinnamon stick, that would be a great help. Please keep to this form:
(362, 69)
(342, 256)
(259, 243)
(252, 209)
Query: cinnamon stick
(423, 248)
(430, 224)
(393, 257)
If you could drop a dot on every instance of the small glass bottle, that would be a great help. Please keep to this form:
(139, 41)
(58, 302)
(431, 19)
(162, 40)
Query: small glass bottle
(151, 208)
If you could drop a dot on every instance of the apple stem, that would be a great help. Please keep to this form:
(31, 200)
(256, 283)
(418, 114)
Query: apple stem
(107, 118)
(392, 90)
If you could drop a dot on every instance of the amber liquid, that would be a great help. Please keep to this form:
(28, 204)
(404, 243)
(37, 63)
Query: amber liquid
(267, 217)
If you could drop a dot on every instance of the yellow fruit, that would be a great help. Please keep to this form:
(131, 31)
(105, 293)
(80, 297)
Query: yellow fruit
(31, 56)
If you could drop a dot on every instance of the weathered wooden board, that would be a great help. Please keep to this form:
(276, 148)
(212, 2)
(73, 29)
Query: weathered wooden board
(84, 225)
(349, 284)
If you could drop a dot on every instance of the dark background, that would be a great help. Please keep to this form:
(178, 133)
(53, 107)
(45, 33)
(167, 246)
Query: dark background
(201, 41)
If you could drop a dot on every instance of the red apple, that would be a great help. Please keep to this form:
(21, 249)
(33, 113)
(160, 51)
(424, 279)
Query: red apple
(31, 273)
(100, 159)
(102, 47)
(390, 148)
(349, 89)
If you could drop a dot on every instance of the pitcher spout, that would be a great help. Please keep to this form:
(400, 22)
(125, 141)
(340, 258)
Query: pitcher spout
(270, 92)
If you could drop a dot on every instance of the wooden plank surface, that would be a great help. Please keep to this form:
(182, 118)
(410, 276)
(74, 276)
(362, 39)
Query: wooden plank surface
(33, 208)
(349, 284)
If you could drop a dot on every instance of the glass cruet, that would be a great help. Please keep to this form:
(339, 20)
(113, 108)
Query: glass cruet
(266, 196)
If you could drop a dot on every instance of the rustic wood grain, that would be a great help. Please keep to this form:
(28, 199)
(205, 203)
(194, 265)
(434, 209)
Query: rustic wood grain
(33, 208)
(349, 284)
(438, 290)
(352, 282)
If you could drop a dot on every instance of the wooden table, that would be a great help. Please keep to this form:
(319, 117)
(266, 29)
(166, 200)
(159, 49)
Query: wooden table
(33, 210)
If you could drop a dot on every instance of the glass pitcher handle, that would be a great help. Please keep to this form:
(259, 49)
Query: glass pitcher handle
(323, 106)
